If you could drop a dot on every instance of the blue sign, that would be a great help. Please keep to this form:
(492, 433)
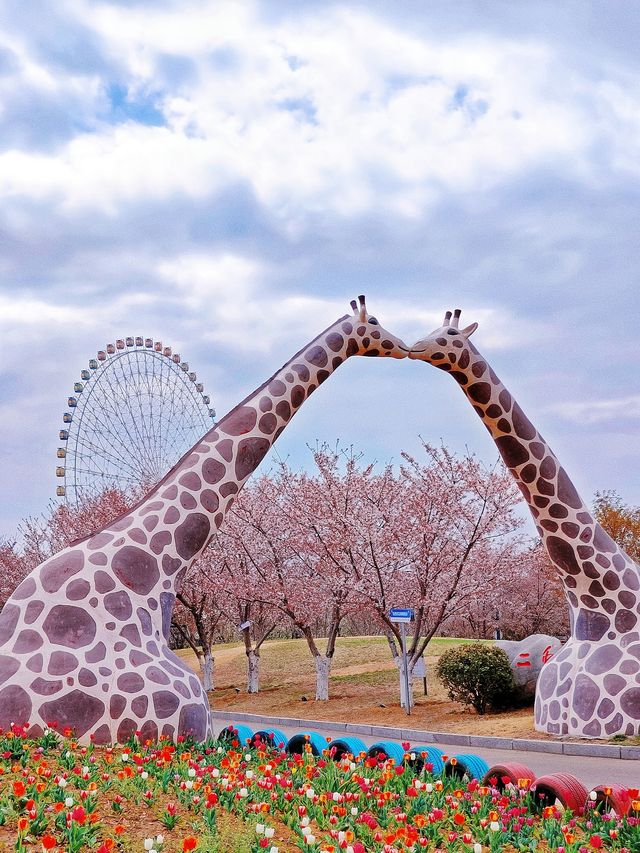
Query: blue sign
(401, 614)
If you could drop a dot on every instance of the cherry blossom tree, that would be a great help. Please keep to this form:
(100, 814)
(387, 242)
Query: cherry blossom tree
(288, 539)
(63, 524)
(13, 568)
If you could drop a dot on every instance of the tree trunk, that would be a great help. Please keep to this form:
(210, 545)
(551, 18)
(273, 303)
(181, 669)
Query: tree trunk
(253, 671)
(403, 692)
(207, 669)
(323, 669)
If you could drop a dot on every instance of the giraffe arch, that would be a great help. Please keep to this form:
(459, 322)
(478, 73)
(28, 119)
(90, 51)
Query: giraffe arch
(84, 638)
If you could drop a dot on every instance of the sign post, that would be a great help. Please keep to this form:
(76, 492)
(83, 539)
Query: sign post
(403, 616)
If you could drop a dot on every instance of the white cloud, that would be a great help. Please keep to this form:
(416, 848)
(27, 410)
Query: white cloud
(600, 411)
(341, 113)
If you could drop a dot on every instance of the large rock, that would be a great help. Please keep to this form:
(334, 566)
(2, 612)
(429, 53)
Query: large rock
(527, 657)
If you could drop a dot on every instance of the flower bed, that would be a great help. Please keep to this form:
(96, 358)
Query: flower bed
(225, 795)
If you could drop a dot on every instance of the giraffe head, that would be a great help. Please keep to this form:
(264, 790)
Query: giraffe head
(369, 337)
(448, 338)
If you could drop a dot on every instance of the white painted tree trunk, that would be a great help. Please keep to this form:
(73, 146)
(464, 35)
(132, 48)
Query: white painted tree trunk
(403, 692)
(207, 665)
(253, 672)
(323, 669)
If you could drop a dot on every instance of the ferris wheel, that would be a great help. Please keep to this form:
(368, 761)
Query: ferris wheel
(137, 409)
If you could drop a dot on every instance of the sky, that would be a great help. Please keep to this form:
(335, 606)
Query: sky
(227, 176)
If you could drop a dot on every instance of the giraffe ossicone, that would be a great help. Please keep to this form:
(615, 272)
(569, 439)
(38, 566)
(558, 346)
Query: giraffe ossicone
(83, 638)
(591, 687)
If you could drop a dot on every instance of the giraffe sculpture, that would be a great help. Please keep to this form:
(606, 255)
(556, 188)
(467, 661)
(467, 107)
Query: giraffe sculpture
(591, 687)
(83, 639)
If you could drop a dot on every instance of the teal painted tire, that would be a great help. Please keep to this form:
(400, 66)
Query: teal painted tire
(427, 755)
(240, 733)
(272, 738)
(346, 745)
(387, 749)
(466, 765)
(296, 743)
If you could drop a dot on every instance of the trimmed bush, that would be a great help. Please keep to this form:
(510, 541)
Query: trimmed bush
(477, 675)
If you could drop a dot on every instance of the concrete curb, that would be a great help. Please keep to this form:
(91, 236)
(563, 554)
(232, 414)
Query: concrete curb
(415, 736)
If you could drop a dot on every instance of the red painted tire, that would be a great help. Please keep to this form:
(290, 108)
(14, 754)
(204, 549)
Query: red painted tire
(610, 798)
(571, 793)
(513, 771)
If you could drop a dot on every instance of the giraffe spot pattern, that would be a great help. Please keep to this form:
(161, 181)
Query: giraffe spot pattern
(136, 569)
(69, 626)
(241, 421)
(58, 570)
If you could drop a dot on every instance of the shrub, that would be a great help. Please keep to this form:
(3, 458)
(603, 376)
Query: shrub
(477, 675)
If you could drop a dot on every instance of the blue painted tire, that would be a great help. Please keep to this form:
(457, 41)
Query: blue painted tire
(344, 745)
(466, 765)
(389, 749)
(433, 755)
(240, 733)
(296, 744)
(272, 738)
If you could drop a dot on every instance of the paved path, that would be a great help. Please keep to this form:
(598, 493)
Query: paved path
(590, 770)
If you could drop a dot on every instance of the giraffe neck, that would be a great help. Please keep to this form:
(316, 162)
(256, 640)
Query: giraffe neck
(589, 561)
(174, 522)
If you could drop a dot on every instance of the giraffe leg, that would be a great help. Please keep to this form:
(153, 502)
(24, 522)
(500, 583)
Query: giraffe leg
(591, 689)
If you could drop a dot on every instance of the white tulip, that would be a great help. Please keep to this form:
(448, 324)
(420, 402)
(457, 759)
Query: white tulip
(593, 796)
(494, 826)
(144, 775)
(259, 828)
(148, 844)
(310, 839)
(269, 832)
(477, 848)
(191, 772)
(68, 801)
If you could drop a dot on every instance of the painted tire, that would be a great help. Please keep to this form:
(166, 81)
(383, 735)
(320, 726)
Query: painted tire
(345, 745)
(387, 749)
(466, 765)
(610, 798)
(272, 738)
(564, 787)
(296, 744)
(513, 771)
(432, 755)
(240, 733)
